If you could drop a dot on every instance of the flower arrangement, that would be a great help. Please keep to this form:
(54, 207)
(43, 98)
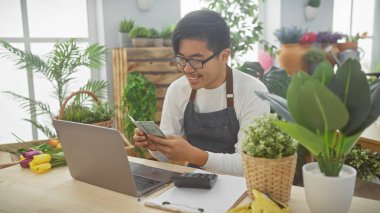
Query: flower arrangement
(327, 112)
(308, 38)
(328, 37)
(264, 139)
(288, 35)
(42, 158)
(356, 37)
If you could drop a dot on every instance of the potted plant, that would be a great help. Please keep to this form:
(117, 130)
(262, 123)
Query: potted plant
(327, 112)
(139, 100)
(155, 38)
(140, 36)
(311, 9)
(314, 57)
(60, 68)
(275, 79)
(166, 34)
(291, 52)
(269, 158)
(125, 26)
(328, 41)
(351, 41)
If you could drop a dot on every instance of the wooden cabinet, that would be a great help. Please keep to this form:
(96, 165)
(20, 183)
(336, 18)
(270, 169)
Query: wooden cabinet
(155, 63)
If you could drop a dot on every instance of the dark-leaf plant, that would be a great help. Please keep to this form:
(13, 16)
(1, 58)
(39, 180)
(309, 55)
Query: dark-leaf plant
(59, 68)
(275, 79)
(327, 112)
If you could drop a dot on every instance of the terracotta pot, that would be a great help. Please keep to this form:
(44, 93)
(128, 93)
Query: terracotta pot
(347, 45)
(335, 51)
(291, 57)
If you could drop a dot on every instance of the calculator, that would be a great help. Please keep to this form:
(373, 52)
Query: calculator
(195, 180)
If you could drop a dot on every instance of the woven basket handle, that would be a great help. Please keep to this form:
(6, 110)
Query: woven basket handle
(62, 110)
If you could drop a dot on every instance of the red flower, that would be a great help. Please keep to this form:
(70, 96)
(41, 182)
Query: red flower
(308, 38)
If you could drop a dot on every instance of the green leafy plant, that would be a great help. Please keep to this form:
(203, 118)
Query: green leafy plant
(315, 55)
(314, 3)
(139, 32)
(264, 139)
(167, 31)
(366, 163)
(242, 17)
(275, 79)
(289, 35)
(327, 112)
(355, 38)
(153, 33)
(84, 114)
(126, 25)
(139, 100)
(59, 67)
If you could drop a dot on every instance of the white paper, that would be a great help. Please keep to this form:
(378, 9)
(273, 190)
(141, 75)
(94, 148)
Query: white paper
(225, 192)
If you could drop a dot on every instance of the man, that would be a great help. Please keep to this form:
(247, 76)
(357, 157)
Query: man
(206, 111)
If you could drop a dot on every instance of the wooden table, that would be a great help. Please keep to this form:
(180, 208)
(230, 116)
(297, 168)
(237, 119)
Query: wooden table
(370, 138)
(55, 191)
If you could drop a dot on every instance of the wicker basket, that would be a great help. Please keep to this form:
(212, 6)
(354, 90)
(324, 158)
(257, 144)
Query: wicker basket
(271, 176)
(96, 99)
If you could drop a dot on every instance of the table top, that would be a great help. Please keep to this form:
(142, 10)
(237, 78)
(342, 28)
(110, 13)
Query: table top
(56, 191)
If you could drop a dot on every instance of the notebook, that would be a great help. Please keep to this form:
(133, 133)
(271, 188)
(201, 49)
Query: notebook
(225, 193)
(96, 155)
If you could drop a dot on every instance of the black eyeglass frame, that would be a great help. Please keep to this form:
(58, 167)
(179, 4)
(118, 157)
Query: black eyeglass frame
(188, 61)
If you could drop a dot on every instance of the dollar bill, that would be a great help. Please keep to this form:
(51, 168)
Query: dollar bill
(148, 127)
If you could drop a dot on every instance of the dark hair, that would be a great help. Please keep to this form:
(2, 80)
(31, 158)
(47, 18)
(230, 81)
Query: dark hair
(204, 25)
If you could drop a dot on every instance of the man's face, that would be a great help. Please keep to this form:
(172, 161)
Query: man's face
(213, 72)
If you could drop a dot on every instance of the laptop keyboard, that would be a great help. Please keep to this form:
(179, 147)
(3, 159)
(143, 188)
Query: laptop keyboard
(143, 183)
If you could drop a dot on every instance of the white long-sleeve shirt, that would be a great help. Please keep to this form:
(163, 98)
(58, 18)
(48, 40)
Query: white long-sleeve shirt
(246, 103)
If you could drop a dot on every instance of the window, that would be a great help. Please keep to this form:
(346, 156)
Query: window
(351, 17)
(47, 21)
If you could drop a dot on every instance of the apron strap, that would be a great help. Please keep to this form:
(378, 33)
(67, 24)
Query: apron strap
(229, 89)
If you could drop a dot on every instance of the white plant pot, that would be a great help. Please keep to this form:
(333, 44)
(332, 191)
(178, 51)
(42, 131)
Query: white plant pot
(125, 40)
(311, 12)
(328, 194)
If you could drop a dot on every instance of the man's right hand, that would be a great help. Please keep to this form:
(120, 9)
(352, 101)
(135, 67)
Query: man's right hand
(141, 140)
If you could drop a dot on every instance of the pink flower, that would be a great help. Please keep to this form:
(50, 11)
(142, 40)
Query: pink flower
(308, 38)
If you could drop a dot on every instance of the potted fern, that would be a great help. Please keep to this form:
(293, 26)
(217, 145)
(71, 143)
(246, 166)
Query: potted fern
(269, 158)
(59, 67)
(327, 112)
(125, 26)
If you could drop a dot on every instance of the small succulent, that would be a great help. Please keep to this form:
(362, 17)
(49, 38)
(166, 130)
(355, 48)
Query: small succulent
(314, 3)
(315, 55)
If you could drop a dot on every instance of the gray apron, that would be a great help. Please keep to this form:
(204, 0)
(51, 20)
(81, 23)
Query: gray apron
(215, 131)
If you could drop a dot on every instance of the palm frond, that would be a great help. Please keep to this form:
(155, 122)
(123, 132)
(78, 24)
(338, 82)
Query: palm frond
(30, 105)
(49, 132)
(95, 86)
(94, 56)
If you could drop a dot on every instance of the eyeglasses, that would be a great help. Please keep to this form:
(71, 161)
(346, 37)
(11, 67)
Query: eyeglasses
(194, 63)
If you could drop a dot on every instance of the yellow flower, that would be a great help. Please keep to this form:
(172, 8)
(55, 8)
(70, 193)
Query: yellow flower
(40, 159)
(40, 168)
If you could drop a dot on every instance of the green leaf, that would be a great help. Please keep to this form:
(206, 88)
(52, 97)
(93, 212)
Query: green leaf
(324, 73)
(350, 84)
(298, 81)
(307, 138)
(349, 142)
(277, 103)
(320, 109)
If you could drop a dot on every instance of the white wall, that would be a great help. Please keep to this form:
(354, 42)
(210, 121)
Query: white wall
(110, 12)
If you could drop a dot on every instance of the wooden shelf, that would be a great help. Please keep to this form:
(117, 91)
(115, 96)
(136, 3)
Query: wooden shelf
(155, 63)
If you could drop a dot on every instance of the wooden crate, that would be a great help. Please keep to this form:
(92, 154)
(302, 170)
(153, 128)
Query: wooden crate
(155, 63)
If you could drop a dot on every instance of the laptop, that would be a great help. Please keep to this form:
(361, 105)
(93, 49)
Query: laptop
(96, 155)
